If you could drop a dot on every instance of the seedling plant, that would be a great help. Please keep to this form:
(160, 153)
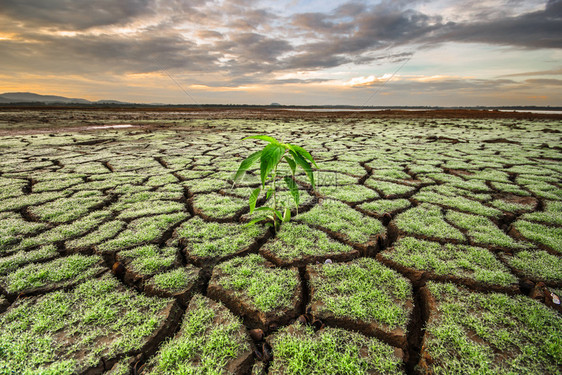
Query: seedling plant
(270, 157)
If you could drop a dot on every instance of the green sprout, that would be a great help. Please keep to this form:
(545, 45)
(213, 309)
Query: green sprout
(270, 158)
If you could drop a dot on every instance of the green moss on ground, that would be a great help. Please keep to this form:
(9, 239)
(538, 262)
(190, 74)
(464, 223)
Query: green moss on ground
(210, 239)
(102, 233)
(483, 231)
(537, 265)
(427, 220)
(551, 215)
(65, 232)
(296, 241)
(362, 289)
(348, 193)
(217, 205)
(210, 339)
(460, 261)
(67, 332)
(267, 289)
(149, 259)
(477, 333)
(389, 189)
(339, 217)
(143, 231)
(177, 279)
(542, 234)
(383, 206)
(299, 350)
(59, 272)
(16, 260)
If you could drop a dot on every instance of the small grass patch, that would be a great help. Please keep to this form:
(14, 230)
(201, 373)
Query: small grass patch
(67, 209)
(102, 233)
(13, 262)
(149, 259)
(339, 217)
(551, 215)
(65, 232)
(13, 228)
(427, 220)
(537, 265)
(297, 241)
(210, 239)
(542, 234)
(467, 328)
(389, 189)
(211, 337)
(483, 231)
(267, 289)
(68, 270)
(510, 206)
(152, 207)
(385, 206)
(452, 260)
(68, 332)
(177, 279)
(218, 206)
(348, 193)
(299, 350)
(143, 231)
(362, 289)
(458, 202)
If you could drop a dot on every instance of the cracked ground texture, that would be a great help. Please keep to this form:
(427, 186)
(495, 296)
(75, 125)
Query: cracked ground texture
(432, 244)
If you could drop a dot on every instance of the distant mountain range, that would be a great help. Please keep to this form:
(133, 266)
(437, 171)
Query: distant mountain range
(28, 97)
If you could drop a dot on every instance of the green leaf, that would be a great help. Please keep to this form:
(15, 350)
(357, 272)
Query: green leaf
(246, 164)
(293, 189)
(301, 151)
(255, 221)
(278, 213)
(269, 192)
(254, 198)
(287, 215)
(292, 164)
(263, 138)
(270, 157)
(304, 165)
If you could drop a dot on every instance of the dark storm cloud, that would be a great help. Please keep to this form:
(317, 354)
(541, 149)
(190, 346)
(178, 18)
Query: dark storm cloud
(540, 29)
(104, 53)
(74, 14)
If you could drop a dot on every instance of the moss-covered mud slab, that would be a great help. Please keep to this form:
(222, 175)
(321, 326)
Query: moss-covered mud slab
(488, 333)
(211, 340)
(85, 330)
(362, 295)
(180, 283)
(473, 266)
(297, 245)
(252, 287)
(208, 243)
(297, 349)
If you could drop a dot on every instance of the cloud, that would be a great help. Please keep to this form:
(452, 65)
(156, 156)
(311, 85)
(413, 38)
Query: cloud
(538, 29)
(75, 14)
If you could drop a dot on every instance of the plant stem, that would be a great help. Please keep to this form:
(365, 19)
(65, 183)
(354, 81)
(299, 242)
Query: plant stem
(275, 198)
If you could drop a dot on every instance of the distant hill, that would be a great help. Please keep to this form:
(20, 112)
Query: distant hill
(28, 97)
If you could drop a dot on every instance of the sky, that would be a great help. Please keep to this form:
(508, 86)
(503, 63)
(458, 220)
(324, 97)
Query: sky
(292, 52)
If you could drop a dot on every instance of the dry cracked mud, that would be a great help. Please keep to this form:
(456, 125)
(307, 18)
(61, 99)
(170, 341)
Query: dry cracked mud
(432, 244)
